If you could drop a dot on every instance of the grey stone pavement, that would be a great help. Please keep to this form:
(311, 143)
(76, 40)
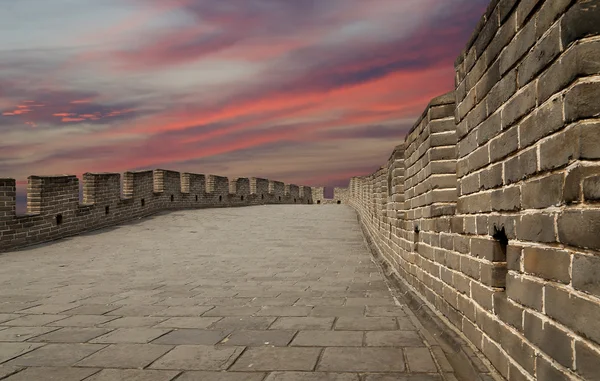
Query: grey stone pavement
(274, 293)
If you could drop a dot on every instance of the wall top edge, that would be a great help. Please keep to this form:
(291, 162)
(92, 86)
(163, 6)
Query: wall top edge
(441, 100)
(482, 21)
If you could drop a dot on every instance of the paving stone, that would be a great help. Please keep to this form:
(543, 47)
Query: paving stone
(420, 360)
(325, 311)
(82, 321)
(130, 335)
(134, 321)
(70, 335)
(57, 355)
(259, 338)
(140, 310)
(7, 370)
(92, 309)
(362, 360)
(133, 375)
(23, 333)
(277, 358)
(393, 339)
(7, 317)
(312, 376)
(369, 302)
(328, 339)
(220, 376)
(284, 311)
(192, 336)
(232, 311)
(366, 324)
(320, 302)
(408, 377)
(198, 357)
(12, 350)
(251, 323)
(53, 374)
(34, 320)
(303, 323)
(50, 308)
(125, 356)
(385, 311)
(183, 311)
(279, 301)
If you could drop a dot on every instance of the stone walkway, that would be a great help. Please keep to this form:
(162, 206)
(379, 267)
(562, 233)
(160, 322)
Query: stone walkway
(274, 293)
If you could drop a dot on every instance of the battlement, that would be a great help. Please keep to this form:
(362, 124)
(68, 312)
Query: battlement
(489, 211)
(54, 210)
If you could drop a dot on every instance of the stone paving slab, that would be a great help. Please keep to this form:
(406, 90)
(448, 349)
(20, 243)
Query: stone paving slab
(265, 293)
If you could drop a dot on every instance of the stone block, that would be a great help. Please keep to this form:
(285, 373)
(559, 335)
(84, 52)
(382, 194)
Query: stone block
(586, 273)
(497, 357)
(587, 360)
(544, 192)
(487, 249)
(560, 149)
(580, 228)
(581, 101)
(561, 304)
(518, 348)
(546, 370)
(525, 291)
(538, 227)
(552, 340)
(545, 50)
(573, 183)
(591, 188)
(581, 20)
(493, 274)
(522, 42)
(504, 144)
(491, 177)
(545, 120)
(547, 263)
(509, 312)
(506, 199)
(502, 91)
(483, 295)
(520, 167)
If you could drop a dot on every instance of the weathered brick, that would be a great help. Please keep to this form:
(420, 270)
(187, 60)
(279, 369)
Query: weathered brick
(520, 105)
(501, 92)
(505, 8)
(544, 192)
(581, 101)
(492, 351)
(522, 42)
(579, 60)
(483, 295)
(580, 228)
(586, 273)
(497, 222)
(548, 263)
(524, 11)
(504, 144)
(549, 338)
(509, 312)
(470, 267)
(468, 144)
(487, 249)
(591, 188)
(587, 360)
(506, 199)
(494, 274)
(524, 290)
(542, 54)
(547, 371)
(491, 177)
(537, 227)
(572, 191)
(475, 203)
(581, 20)
(519, 349)
(574, 311)
(560, 149)
(545, 120)
(472, 332)
(520, 167)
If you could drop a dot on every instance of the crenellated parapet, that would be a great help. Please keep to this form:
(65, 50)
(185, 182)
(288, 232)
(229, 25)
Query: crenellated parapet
(54, 210)
(489, 211)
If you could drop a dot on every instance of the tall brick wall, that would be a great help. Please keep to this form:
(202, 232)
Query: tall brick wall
(491, 213)
(54, 211)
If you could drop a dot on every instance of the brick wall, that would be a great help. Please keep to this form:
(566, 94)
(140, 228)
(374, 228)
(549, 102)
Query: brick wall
(54, 211)
(490, 210)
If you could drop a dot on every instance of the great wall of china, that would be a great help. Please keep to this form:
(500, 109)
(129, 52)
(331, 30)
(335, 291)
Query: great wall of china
(489, 212)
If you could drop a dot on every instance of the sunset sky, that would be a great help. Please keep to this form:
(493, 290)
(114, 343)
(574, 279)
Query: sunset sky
(310, 92)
